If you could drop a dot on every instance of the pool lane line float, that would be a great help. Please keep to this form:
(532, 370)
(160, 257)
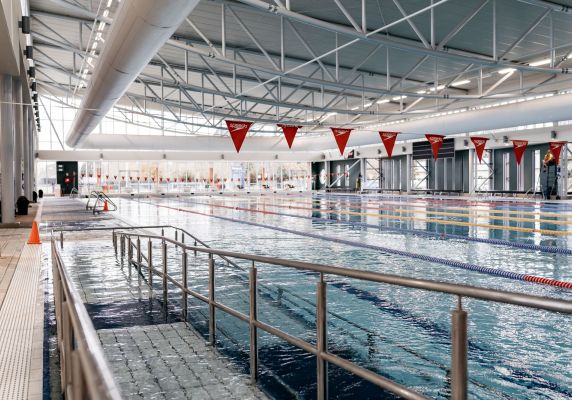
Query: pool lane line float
(505, 203)
(419, 232)
(439, 221)
(432, 259)
(349, 204)
(470, 214)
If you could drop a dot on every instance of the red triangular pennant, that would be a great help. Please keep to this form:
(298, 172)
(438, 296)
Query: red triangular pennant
(388, 139)
(555, 149)
(238, 131)
(519, 147)
(480, 143)
(436, 142)
(341, 135)
(289, 133)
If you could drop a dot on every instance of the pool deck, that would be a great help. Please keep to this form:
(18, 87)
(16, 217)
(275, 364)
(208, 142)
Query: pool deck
(21, 312)
(161, 361)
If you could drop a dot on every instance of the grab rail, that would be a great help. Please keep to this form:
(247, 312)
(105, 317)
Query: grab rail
(99, 198)
(459, 372)
(85, 373)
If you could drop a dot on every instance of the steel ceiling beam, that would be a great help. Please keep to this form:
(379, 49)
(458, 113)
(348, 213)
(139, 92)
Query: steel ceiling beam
(462, 56)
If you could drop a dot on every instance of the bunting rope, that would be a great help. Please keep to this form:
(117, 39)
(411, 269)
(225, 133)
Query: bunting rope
(432, 259)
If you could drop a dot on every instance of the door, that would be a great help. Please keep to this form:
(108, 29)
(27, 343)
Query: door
(67, 176)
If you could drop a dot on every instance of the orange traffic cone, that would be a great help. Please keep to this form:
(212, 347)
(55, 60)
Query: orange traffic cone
(105, 206)
(34, 234)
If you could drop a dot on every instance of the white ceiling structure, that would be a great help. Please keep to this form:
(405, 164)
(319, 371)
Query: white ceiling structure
(414, 66)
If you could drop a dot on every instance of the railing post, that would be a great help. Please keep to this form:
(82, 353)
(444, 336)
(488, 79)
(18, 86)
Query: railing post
(162, 231)
(62, 239)
(129, 251)
(164, 251)
(122, 246)
(182, 237)
(185, 284)
(195, 246)
(150, 265)
(139, 260)
(459, 346)
(114, 236)
(253, 330)
(322, 338)
(176, 235)
(212, 324)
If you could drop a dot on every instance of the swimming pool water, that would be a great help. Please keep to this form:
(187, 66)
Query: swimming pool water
(401, 333)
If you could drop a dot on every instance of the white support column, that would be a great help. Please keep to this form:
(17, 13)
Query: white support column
(472, 170)
(563, 174)
(18, 137)
(26, 151)
(32, 137)
(7, 150)
(409, 167)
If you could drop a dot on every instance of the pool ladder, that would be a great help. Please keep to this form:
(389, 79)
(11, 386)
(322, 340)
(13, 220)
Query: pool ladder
(98, 205)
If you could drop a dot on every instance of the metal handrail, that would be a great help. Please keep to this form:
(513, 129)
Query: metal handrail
(85, 373)
(99, 197)
(459, 374)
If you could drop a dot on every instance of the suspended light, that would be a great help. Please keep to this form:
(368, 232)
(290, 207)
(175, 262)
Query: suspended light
(540, 62)
(461, 83)
(367, 105)
(383, 101)
(506, 71)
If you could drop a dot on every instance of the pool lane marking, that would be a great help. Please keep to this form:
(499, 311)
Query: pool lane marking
(419, 232)
(514, 204)
(351, 204)
(443, 213)
(435, 221)
(432, 259)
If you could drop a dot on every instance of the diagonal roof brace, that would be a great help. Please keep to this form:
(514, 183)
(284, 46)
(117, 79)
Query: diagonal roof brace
(138, 31)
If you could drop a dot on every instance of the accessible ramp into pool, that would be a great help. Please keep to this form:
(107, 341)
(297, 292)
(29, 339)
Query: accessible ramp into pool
(152, 355)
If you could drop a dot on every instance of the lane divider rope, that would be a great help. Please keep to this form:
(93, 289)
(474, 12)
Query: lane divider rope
(431, 259)
(353, 204)
(418, 232)
(451, 214)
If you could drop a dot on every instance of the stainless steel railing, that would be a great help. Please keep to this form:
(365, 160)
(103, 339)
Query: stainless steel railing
(100, 198)
(85, 373)
(130, 246)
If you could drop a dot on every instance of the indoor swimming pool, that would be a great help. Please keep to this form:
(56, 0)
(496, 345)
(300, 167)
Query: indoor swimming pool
(400, 333)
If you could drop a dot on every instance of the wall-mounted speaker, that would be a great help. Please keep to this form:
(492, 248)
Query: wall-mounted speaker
(465, 142)
(505, 139)
(553, 134)
(24, 24)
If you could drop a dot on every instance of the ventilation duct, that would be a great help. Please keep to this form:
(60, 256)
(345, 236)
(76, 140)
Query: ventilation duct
(138, 31)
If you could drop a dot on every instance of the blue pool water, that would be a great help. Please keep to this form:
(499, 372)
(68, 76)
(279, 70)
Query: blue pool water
(401, 333)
